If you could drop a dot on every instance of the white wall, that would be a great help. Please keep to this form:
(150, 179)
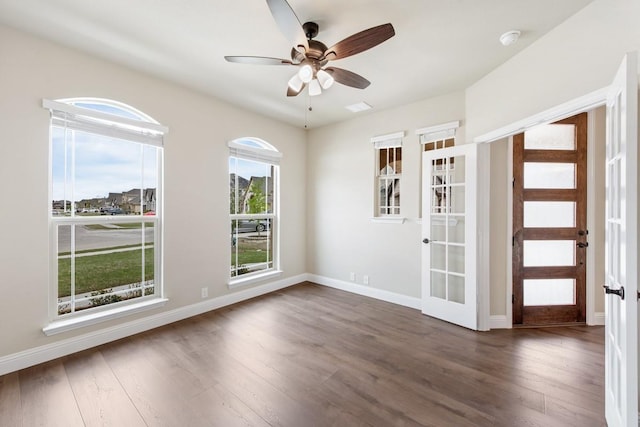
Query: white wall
(576, 58)
(196, 239)
(341, 236)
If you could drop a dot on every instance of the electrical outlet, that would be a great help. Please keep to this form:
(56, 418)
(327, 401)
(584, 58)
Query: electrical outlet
(352, 276)
(204, 292)
(365, 280)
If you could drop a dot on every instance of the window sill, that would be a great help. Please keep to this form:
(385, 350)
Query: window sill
(389, 220)
(60, 326)
(244, 281)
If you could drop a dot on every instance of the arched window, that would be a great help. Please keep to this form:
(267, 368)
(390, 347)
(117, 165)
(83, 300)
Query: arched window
(253, 208)
(105, 199)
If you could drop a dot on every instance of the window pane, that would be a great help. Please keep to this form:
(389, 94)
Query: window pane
(456, 259)
(389, 196)
(438, 285)
(550, 137)
(456, 169)
(549, 291)
(438, 256)
(61, 174)
(456, 289)
(108, 174)
(540, 253)
(64, 269)
(107, 263)
(251, 246)
(549, 214)
(457, 199)
(456, 229)
(549, 175)
(250, 186)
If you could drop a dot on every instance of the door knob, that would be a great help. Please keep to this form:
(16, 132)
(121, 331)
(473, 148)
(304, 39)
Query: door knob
(619, 292)
(425, 240)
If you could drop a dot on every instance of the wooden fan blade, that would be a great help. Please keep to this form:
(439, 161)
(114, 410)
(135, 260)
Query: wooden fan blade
(258, 60)
(288, 23)
(292, 92)
(360, 42)
(348, 78)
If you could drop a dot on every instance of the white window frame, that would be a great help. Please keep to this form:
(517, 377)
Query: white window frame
(262, 152)
(146, 131)
(391, 140)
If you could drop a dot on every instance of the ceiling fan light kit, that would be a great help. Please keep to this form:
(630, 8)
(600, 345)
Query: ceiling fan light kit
(305, 73)
(312, 56)
(325, 79)
(296, 83)
(314, 88)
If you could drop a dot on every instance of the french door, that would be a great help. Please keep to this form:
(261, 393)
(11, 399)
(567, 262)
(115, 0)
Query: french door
(550, 238)
(621, 260)
(449, 283)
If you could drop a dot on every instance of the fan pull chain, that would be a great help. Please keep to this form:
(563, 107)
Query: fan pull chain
(307, 111)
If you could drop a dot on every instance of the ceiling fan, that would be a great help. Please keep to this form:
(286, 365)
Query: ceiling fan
(311, 56)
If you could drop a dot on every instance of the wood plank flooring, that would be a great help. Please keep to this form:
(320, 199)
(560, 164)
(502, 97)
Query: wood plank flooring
(315, 356)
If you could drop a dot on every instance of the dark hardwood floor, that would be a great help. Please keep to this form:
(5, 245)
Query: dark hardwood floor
(315, 356)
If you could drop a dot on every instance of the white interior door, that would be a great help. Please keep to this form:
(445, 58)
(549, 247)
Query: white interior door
(449, 280)
(621, 269)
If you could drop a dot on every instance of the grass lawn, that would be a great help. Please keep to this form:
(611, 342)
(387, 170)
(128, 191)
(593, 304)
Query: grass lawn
(251, 250)
(97, 272)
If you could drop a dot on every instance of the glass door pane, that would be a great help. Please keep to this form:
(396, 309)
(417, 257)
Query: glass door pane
(549, 292)
(551, 137)
(447, 224)
(541, 253)
(549, 175)
(549, 214)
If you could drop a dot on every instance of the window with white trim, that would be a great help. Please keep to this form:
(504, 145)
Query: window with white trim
(388, 154)
(106, 206)
(436, 138)
(253, 208)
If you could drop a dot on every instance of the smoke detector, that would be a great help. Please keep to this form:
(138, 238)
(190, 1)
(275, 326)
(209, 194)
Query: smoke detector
(510, 37)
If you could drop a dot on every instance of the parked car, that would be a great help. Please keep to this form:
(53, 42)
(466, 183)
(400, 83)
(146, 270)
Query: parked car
(111, 211)
(251, 225)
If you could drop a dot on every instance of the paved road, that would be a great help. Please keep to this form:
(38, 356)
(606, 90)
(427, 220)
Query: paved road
(98, 239)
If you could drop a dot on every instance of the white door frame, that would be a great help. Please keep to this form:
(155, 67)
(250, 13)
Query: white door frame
(584, 103)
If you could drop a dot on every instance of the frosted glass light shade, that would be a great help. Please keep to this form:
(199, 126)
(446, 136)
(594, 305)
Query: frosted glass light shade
(325, 79)
(305, 73)
(295, 83)
(314, 88)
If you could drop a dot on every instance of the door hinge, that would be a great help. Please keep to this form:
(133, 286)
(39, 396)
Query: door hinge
(513, 298)
(513, 240)
(513, 183)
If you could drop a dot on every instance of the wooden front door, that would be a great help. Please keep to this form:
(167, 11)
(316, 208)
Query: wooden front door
(550, 237)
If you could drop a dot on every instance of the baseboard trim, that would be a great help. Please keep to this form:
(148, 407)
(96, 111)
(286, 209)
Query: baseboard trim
(499, 321)
(392, 297)
(24, 359)
(598, 318)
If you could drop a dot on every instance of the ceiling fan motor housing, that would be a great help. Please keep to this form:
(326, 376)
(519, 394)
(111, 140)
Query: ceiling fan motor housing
(310, 29)
(316, 49)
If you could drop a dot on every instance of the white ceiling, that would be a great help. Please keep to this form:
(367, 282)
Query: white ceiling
(440, 46)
